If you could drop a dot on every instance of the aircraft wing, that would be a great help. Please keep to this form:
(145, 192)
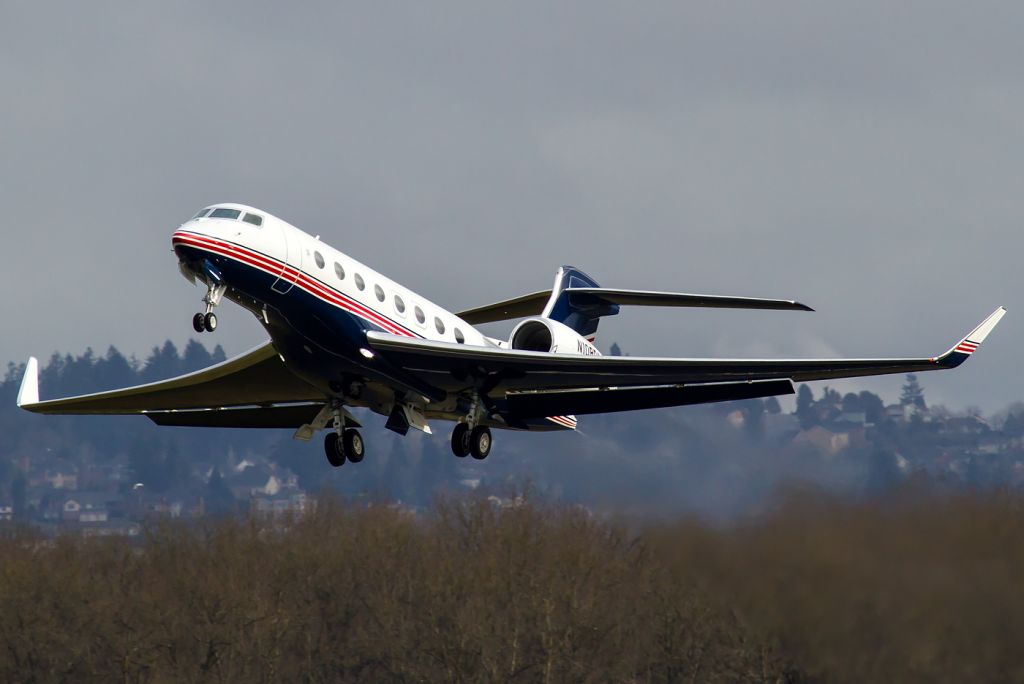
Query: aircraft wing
(503, 370)
(258, 379)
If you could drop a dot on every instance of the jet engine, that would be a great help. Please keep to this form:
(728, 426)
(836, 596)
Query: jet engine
(547, 335)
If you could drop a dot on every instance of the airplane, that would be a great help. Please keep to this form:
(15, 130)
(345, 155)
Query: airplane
(343, 335)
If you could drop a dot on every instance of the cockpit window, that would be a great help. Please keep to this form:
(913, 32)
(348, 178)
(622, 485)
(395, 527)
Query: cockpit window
(225, 213)
(254, 219)
(201, 214)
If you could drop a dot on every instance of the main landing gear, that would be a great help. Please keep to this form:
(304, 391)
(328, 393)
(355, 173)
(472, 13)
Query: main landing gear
(343, 444)
(347, 446)
(475, 441)
(208, 321)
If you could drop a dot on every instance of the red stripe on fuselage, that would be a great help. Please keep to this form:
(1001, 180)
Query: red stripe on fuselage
(278, 269)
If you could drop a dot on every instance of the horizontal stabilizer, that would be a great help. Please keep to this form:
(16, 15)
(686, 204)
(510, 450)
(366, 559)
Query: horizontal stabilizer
(519, 307)
(604, 295)
(580, 402)
(533, 304)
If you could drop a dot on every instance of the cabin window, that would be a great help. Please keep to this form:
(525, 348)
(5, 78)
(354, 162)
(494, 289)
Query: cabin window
(319, 259)
(399, 304)
(420, 318)
(379, 291)
(254, 219)
(359, 281)
(225, 213)
(459, 337)
(439, 324)
(339, 271)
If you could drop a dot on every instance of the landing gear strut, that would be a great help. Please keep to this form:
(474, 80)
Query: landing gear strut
(208, 321)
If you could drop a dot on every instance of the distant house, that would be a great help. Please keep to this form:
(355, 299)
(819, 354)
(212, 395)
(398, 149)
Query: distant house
(87, 507)
(966, 425)
(282, 505)
(261, 480)
(114, 527)
(852, 418)
(781, 427)
(62, 478)
(830, 441)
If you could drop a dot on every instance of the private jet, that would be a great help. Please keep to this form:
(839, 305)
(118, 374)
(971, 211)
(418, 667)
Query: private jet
(343, 335)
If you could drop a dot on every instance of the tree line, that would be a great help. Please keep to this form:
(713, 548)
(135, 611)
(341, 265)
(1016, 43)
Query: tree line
(918, 587)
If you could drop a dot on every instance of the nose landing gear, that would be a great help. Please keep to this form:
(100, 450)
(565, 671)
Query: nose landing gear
(204, 322)
(207, 321)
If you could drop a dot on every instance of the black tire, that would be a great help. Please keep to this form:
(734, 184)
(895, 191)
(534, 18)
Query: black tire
(332, 447)
(199, 323)
(460, 440)
(353, 444)
(480, 442)
(210, 322)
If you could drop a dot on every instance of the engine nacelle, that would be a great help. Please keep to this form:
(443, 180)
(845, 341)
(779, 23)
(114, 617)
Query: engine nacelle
(546, 335)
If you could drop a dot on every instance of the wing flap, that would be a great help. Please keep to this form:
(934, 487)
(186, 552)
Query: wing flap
(258, 376)
(252, 417)
(581, 402)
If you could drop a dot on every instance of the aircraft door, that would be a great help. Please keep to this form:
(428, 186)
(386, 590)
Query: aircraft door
(293, 261)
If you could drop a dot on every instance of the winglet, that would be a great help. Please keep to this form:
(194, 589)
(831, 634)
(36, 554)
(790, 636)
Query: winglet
(969, 344)
(29, 392)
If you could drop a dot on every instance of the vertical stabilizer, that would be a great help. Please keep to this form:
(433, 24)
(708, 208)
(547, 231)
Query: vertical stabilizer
(579, 313)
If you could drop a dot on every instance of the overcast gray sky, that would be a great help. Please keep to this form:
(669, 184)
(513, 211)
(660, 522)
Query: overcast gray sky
(863, 158)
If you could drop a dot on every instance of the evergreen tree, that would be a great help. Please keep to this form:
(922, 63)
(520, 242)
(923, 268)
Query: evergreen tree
(753, 418)
(195, 357)
(912, 394)
(114, 371)
(873, 407)
(805, 406)
(851, 403)
(615, 350)
(162, 363)
(218, 497)
(19, 497)
(218, 355)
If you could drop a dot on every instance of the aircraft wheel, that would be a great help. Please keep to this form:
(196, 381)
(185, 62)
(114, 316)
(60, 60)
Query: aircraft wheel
(332, 447)
(198, 323)
(353, 445)
(460, 440)
(480, 442)
(210, 322)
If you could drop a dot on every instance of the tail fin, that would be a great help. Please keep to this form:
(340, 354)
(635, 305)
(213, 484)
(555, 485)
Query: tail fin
(580, 314)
